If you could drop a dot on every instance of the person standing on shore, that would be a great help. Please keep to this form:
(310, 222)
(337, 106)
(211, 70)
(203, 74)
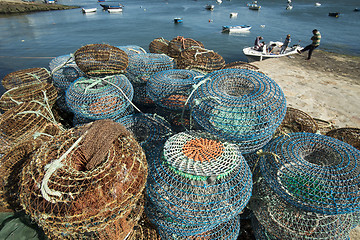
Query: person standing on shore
(315, 43)
(285, 44)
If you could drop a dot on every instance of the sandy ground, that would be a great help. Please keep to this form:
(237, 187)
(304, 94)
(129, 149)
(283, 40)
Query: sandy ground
(327, 87)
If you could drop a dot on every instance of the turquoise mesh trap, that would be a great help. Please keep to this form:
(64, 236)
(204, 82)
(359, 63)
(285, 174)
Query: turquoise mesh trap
(313, 172)
(64, 71)
(228, 230)
(132, 49)
(285, 221)
(142, 66)
(100, 98)
(147, 128)
(171, 88)
(239, 105)
(196, 182)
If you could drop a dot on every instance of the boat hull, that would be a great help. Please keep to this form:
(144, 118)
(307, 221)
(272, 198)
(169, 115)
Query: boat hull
(254, 55)
(236, 29)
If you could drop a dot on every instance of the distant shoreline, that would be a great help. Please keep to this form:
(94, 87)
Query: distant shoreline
(18, 6)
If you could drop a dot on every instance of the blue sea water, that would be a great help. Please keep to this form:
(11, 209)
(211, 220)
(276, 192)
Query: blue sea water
(30, 40)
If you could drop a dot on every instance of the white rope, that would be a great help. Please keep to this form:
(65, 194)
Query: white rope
(71, 59)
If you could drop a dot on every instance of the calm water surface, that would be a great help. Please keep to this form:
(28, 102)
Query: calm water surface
(30, 40)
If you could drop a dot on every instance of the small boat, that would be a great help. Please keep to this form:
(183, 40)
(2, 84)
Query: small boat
(272, 50)
(254, 6)
(106, 7)
(236, 29)
(210, 7)
(334, 14)
(219, 1)
(114, 10)
(357, 10)
(88, 10)
(178, 20)
(317, 4)
(101, 0)
(233, 14)
(289, 6)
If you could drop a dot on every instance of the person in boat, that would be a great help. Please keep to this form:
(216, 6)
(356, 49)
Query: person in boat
(259, 45)
(315, 43)
(285, 44)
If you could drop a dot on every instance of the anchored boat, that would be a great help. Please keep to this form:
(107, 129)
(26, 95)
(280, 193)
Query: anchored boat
(236, 29)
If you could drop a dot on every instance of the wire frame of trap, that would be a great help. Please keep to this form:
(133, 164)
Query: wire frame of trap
(96, 175)
(348, 135)
(197, 182)
(25, 77)
(159, 46)
(285, 221)
(179, 44)
(313, 172)
(241, 65)
(239, 105)
(64, 71)
(101, 59)
(132, 49)
(100, 98)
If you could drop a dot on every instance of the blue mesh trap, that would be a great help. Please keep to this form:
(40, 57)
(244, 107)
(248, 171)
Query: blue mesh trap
(285, 221)
(313, 172)
(197, 182)
(100, 98)
(64, 71)
(147, 128)
(239, 105)
(142, 66)
(171, 88)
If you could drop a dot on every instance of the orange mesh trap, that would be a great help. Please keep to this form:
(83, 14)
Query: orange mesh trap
(82, 182)
(178, 44)
(101, 59)
(34, 91)
(25, 77)
(197, 58)
(159, 45)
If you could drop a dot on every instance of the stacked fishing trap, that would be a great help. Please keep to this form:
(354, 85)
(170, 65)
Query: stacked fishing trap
(159, 45)
(241, 65)
(25, 77)
(132, 49)
(179, 44)
(197, 184)
(239, 105)
(100, 98)
(309, 187)
(348, 135)
(86, 183)
(141, 67)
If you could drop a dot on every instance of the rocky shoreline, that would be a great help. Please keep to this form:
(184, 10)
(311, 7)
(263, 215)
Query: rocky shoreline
(14, 7)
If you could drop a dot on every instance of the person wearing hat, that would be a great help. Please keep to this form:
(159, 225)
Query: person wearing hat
(285, 44)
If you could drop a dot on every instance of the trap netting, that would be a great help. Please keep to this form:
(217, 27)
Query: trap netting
(21, 122)
(144, 230)
(296, 121)
(132, 49)
(324, 126)
(25, 77)
(147, 128)
(85, 180)
(142, 66)
(348, 135)
(239, 105)
(196, 182)
(36, 91)
(201, 59)
(313, 172)
(101, 59)
(228, 230)
(260, 232)
(179, 43)
(285, 221)
(241, 65)
(12, 163)
(159, 45)
(64, 71)
(100, 98)
(171, 88)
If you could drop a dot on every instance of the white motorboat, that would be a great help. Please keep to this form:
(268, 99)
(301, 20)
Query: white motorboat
(233, 14)
(254, 6)
(210, 7)
(114, 10)
(88, 10)
(271, 50)
(289, 6)
(317, 4)
(236, 29)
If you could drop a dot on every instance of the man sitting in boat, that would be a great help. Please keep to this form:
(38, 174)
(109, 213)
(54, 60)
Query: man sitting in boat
(259, 45)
